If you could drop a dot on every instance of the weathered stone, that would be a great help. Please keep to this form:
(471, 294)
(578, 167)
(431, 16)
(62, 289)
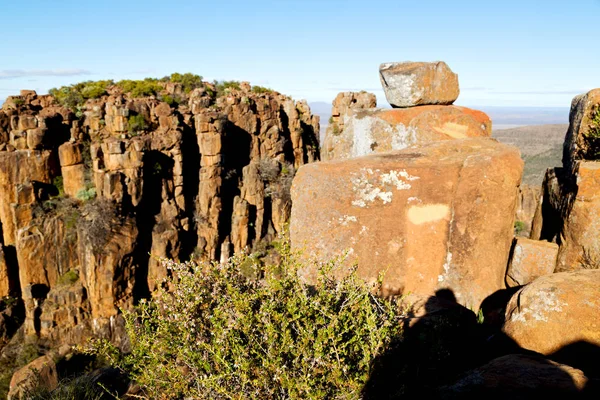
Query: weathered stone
(580, 235)
(518, 376)
(35, 138)
(529, 199)
(40, 373)
(421, 215)
(582, 141)
(73, 179)
(530, 260)
(409, 84)
(381, 130)
(70, 154)
(556, 311)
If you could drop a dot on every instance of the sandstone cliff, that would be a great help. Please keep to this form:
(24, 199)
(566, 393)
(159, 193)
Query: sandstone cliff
(99, 180)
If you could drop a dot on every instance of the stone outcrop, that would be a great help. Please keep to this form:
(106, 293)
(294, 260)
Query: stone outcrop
(556, 311)
(580, 243)
(530, 199)
(87, 193)
(430, 217)
(582, 141)
(530, 260)
(410, 84)
(366, 131)
(357, 128)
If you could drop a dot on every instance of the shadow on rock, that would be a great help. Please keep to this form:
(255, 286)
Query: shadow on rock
(446, 353)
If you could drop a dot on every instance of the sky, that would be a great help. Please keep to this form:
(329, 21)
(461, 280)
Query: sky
(507, 53)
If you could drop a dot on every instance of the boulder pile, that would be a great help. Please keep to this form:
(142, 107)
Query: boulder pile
(421, 195)
(422, 95)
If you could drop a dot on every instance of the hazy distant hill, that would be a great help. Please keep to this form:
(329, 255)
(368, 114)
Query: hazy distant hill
(540, 145)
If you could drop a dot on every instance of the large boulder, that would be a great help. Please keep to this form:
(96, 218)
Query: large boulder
(530, 260)
(369, 131)
(582, 141)
(409, 84)
(39, 374)
(556, 311)
(580, 235)
(434, 217)
(517, 376)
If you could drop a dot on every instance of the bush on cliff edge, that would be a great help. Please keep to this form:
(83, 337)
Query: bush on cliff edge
(218, 334)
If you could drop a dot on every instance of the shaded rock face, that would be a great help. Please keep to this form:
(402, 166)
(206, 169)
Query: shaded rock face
(556, 311)
(432, 217)
(409, 84)
(518, 376)
(366, 131)
(89, 196)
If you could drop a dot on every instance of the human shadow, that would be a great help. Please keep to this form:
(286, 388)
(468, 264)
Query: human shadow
(447, 352)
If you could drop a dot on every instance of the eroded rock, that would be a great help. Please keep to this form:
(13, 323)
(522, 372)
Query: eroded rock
(421, 215)
(409, 84)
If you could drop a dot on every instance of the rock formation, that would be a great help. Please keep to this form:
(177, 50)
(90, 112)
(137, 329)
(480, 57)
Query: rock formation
(556, 311)
(357, 128)
(570, 207)
(410, 84)
(90, 188)
(421, 215)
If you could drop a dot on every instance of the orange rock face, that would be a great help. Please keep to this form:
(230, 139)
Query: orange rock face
(556, 311)
(530, 260)
(580, 245)
(583, 137)
(438, 216)
(379, 130)
(411, 84)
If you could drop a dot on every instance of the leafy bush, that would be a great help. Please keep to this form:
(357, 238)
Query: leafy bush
(74, 96)
(278, 178)
(519, 227)
(261, 90)
(136, 124)
(188, 80)
(86, 194)
(68, 278)
(220, 335)
(80, 388)
(223, 87)
(59, 185)
(140, 88)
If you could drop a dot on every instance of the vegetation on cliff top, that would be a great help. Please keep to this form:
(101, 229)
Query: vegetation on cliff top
(74, 96)
(221, 334)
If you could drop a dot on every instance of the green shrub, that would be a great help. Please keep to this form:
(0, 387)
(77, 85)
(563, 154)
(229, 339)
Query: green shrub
(261, 90)
(188, 81)
(218, 334)
(223, 87)
(68, 278)
(136, 124)
(86, 194)
(80, 388)
(519, 227)
(140, 88)
(74, 96)
(59, 185)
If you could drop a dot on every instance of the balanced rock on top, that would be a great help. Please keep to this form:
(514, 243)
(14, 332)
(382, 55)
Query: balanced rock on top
(409, 84)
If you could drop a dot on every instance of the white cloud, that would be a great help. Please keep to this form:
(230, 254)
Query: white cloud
(21, 73)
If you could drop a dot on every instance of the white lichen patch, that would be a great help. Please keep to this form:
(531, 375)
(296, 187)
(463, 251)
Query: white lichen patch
(370, 186)
(346, 219)
(544, 302)
(363, 230)
(446, 266)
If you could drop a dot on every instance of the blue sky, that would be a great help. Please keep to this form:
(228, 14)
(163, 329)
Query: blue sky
(508, 53)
